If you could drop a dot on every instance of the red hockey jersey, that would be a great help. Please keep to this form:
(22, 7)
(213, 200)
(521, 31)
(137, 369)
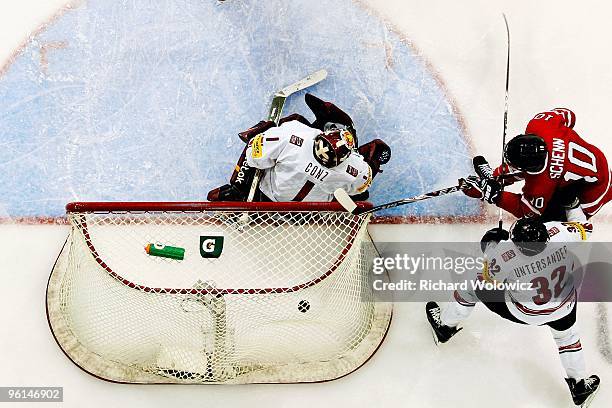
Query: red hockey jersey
(570, 160)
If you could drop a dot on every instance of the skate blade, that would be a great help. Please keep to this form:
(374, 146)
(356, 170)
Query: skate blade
(435, 337)
(588, 401)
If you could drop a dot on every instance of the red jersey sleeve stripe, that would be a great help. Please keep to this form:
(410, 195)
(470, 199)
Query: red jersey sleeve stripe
(568, 115)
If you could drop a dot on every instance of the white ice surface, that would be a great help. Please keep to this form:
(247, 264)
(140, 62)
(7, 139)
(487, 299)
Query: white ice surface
(490, 361)
(560, 57)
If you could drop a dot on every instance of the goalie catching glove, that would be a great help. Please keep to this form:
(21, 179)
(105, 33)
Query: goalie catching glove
(485, 189)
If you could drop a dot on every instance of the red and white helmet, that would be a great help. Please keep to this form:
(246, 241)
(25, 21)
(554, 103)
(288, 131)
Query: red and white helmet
(332, 147)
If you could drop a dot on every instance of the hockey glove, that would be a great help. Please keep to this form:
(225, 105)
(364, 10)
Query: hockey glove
(328, 112)
(375, 153)
(502, 174)
(485, 189)
(495, 235)
(226, 192)
(254, 130)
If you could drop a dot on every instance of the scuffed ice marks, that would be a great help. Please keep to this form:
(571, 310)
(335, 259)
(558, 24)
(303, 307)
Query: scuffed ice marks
(142, 100)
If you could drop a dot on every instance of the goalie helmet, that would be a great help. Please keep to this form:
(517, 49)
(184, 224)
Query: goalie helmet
(530, 235)
(339, 126)
(526, 153)
(332, 147)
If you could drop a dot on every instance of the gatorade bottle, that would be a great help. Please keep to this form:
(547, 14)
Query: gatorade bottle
(165, 251)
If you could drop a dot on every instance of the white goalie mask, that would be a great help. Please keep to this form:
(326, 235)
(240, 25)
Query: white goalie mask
(333, 147)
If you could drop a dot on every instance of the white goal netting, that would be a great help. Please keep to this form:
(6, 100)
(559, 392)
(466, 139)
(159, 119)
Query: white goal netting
(265, 293)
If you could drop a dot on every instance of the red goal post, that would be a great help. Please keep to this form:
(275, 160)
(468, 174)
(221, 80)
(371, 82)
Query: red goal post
(199, 206)
(199, 292)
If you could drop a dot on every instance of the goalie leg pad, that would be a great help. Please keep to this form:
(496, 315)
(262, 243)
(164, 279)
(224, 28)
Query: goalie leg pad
(243, 174)
(240, 182)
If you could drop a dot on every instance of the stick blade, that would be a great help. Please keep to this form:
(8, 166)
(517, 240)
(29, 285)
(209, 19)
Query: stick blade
(345, 200)
(309, 81)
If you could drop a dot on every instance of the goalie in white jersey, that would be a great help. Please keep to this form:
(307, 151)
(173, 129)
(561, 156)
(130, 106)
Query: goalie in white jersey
(537, 256)
(303, 161)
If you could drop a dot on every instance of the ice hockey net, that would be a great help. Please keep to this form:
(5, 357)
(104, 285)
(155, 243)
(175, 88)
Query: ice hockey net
(265, 292)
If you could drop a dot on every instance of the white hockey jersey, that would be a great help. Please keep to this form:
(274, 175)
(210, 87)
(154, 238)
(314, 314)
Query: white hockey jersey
(549, 274)
(293, 174)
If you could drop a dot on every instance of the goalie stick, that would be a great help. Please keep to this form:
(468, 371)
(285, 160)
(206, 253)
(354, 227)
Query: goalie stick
(276, 110)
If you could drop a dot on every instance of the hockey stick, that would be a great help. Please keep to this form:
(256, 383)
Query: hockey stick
(482, 168)
(276, 110)
(501, 213)
(349, 205)
(347, 202)
(278, 101)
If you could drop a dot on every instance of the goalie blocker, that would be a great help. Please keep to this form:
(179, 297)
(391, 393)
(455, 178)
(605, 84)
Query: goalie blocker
(328, 117)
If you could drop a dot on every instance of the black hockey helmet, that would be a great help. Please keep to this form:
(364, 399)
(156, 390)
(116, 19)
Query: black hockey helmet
(530, 235)
(526, 153)
(332, 147)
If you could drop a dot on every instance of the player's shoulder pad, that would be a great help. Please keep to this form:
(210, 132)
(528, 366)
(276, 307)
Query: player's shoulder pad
(502, 252)
(298, 134)
(569, 117)
(491, 270)
(289, 132)
(271, 140)
(568, 231)
(555, 117)
(356, 171)
(297, 126)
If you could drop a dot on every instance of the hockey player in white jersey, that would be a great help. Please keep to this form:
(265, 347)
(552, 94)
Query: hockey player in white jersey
(539, 256)
(303, 161)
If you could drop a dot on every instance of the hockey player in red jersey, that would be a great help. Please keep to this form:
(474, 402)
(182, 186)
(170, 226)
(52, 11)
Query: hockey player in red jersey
(560, 170)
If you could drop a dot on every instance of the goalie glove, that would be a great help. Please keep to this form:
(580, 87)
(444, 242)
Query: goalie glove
(375, 153)
(485, 189)
(226, 192)
(254, 130)
(327, 112)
